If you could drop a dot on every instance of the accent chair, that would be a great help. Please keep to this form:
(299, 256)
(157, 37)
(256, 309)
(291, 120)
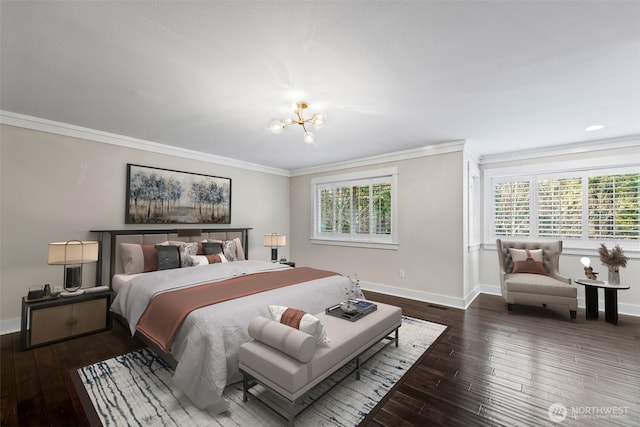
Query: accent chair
(529, 275)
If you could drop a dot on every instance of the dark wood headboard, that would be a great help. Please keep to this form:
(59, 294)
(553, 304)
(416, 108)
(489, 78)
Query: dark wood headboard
(110, 244)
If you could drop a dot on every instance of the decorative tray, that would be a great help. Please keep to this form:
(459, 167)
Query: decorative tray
(362, 308)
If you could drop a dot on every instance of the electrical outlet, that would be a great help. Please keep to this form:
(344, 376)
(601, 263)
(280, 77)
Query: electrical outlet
(401, 273)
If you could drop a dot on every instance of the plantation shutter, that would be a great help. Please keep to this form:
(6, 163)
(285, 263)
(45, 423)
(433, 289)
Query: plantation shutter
(511, 212)
(359, 207)
(560, 207)
(381, 208)
(614, 206)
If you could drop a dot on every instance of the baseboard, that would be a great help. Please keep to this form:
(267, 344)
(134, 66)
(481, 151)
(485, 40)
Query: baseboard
(430, 297)
(9, 326)
(623, 308)
(463, 303)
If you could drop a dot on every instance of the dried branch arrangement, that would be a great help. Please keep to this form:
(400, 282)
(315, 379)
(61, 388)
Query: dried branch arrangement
(613, 258)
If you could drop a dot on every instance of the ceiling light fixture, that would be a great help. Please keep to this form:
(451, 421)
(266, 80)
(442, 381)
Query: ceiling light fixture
(594, 127)
(297, 108)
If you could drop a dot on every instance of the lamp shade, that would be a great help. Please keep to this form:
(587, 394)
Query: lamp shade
(274, 240)
(72, 252)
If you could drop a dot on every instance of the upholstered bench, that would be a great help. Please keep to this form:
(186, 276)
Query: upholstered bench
(290, 363)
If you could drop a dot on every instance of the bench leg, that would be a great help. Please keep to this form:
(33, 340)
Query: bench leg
(292, 413)
(397, 336)
(358, 368)
(245, 387)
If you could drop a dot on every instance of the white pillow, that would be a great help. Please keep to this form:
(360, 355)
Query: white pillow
(187, 252)
(197, 260)
(288, 340)
(521, 254)
(308, 323)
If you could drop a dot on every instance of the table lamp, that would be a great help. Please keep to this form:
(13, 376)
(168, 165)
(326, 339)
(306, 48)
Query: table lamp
(588, 270)
(274, 241)
(73, 254)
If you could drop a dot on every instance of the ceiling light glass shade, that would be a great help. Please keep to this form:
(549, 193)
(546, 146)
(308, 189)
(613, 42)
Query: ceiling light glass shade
(298, 108)
(308, 137)
(277, 126)
(318, 120)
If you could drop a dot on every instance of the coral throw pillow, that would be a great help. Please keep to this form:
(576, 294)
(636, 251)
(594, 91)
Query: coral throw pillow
(524, 261)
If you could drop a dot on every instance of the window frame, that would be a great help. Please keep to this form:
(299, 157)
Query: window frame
(370, 177)
(535, 173)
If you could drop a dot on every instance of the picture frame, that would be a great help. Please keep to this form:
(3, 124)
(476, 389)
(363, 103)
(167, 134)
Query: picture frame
(166, 196)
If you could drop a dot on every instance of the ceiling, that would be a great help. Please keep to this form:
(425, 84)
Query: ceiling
(211, 76)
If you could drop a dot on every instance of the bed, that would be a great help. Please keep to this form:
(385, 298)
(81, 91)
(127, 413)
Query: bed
(204, 348)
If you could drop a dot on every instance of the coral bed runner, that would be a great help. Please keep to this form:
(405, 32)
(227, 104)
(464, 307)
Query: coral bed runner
(166, 311)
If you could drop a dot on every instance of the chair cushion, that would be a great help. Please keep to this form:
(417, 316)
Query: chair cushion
(538, 284)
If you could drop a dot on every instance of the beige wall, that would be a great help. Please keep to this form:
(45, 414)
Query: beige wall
(57, 188)
(430, 218)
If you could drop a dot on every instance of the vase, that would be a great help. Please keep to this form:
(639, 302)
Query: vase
(614, 275)
(348, 307)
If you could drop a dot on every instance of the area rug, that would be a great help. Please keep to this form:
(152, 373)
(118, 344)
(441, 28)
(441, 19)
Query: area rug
(136, 389)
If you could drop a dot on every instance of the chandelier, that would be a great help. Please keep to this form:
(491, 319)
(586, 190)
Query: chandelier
(297, 108)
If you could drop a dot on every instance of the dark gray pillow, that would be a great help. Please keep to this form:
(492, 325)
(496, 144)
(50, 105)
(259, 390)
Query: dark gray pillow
(211, 248)
(168, 257)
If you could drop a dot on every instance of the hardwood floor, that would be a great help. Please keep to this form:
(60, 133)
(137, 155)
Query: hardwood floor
(492, 368)
(488, 368)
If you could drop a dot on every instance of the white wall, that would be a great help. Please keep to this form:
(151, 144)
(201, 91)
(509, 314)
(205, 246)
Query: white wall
(57, 188)
(430, 217)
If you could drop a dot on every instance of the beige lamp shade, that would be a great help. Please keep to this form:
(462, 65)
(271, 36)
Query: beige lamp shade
(73, 252)
(274, 240)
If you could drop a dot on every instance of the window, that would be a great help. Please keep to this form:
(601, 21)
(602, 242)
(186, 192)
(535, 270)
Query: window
(587, 205)
(614, 203)
(560, 207)
(511, 208)
(357, 209)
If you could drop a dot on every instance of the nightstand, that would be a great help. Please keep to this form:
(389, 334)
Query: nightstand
(289, 263)
(56, 319)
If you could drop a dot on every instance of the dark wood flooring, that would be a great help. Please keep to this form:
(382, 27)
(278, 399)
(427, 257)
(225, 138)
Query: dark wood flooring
(488, 368)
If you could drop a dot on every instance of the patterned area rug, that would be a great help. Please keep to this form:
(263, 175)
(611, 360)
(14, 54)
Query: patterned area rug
(136, 389)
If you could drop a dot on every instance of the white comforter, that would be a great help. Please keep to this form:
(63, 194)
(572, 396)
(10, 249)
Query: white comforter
(206, 345)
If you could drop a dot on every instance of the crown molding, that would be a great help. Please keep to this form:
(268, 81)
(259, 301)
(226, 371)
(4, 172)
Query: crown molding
(573, 148)
(65, 129)
(429, 150)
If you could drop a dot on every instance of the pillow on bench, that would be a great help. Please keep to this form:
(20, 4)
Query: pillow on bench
(307, 323)
(286, 339)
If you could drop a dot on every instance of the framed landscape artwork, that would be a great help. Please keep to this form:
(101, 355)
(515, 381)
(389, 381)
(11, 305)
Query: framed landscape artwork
(164, 196)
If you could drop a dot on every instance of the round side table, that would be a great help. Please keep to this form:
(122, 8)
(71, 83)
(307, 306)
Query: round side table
(610, 299)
